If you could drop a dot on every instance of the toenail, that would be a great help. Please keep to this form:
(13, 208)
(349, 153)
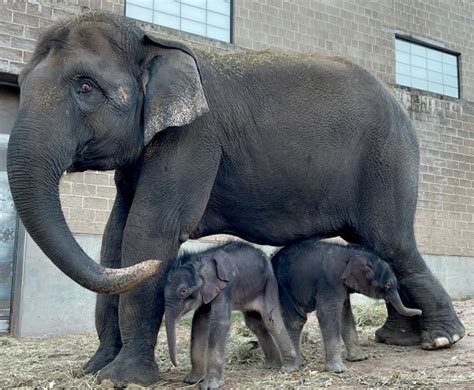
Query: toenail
(456, 338)
(441, 342)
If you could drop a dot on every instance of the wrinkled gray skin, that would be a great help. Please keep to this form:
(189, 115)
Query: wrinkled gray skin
(314, 275)
(234, 276)
(273, 148)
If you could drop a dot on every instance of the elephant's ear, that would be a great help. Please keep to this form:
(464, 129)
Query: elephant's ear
(173, 91)
(358, 274)
(217, 276)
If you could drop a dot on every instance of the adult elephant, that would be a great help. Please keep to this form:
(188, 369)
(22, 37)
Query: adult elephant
(273, 148)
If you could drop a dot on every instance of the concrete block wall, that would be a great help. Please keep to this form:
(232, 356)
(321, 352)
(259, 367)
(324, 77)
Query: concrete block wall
(362, 30)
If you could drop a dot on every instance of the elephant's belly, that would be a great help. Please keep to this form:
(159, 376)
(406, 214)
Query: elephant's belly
(278, 226)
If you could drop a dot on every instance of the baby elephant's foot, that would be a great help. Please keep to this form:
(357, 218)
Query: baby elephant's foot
(335, 366)
(356, 356)
(211, 384)
(193, 378)
(271, 364)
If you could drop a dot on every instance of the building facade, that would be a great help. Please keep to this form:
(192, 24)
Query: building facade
(423, 50)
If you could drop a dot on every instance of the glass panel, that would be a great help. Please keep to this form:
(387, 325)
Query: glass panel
(450, 81)
(218, 33)
(166, 20)
(193, 27)
(141, 3)
(420, 84)
(139, 13)
(451, 92)
(218, 20)
(419, 73)
(403, 57)
(418, 61)
(435, 77)
(450, 59)
(418, 50)
(403, 69)
(402, 46)
(450, 70)
(196, 3)
(403, 80)
(167, 6)
(193, 13)
(220, 6)
(434, 87)
(433, 54)
(435, 65)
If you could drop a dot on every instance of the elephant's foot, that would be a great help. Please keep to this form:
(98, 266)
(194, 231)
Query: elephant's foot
(101, 358)
(442, 334)
(335, 366)
(211, 384)
(356, 355)
(399, 330)
(193, 378)
(438, 327)
(131, 367)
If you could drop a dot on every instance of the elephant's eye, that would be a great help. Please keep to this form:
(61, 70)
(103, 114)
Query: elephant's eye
(184, 292)
(388, 286)
(85, 87)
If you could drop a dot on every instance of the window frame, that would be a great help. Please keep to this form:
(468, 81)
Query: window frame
(231, 23)
(428, 45)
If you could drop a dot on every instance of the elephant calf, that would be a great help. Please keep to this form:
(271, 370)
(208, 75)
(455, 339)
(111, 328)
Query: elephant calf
(314, 275)
(233, 276)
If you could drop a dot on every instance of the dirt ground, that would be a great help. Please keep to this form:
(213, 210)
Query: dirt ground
(54, 362)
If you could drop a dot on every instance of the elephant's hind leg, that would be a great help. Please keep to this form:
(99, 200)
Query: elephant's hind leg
(439, 326)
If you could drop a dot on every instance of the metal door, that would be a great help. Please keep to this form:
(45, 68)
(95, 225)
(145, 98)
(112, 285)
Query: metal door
(9, 99)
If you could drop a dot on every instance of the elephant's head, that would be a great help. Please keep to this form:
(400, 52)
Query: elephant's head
(95, 93)
(371, 276)
(196, 282)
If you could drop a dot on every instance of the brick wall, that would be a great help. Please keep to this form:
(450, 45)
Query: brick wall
(362, 30)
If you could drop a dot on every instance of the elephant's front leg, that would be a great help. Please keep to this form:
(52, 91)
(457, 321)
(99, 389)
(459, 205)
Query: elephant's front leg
(219, 323)
(329, 315)
(199, 337)
(106, 311)
(140, 314)
(349, 334)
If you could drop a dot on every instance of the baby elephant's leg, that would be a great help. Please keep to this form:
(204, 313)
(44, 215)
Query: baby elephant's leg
(273, 320)
(349, 334)
(199, 337)
(329, 315)
(255, 323)
(219, 324)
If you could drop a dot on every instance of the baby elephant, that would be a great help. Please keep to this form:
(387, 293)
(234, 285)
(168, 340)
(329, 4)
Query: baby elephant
(314, 275)
(233, 276)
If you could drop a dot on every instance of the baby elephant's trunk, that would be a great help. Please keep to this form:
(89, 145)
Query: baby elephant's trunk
(394, 299)
(171, 320)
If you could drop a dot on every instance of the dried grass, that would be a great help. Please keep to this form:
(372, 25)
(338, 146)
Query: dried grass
(54, 362)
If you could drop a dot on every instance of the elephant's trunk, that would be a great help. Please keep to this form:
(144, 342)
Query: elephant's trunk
(394, 299)
(171, 320)
(36, 161)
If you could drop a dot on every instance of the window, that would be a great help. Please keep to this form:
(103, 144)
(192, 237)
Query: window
(425, 67)
(209, 18)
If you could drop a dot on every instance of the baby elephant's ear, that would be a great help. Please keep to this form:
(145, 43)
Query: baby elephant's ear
(217, 278)
(358, 274)
(172, 83)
